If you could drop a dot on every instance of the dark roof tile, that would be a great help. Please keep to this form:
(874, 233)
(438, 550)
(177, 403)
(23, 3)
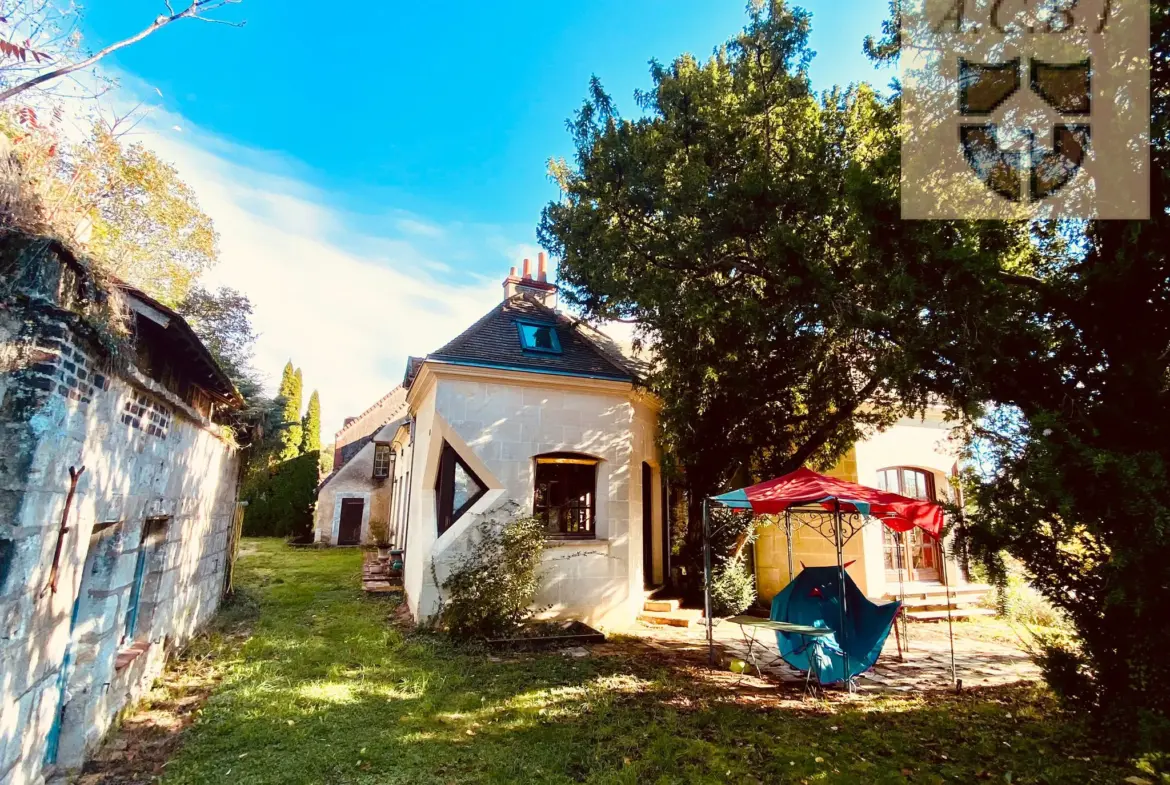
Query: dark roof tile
(494, 341)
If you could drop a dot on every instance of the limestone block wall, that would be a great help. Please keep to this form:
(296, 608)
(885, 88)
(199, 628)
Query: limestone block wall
(143, 558)
(499, 427)
(808, 547)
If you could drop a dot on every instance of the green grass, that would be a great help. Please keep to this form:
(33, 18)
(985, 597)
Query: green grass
(327, 690)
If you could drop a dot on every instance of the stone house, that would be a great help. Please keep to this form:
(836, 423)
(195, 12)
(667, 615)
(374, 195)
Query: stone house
(117, 501)
(525, 406)
(530, 407)
(361, 487)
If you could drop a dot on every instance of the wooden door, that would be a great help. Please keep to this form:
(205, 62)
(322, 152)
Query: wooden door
(349, 530)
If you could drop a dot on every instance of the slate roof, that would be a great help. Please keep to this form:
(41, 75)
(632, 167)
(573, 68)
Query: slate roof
(494, 341)
(361, 431)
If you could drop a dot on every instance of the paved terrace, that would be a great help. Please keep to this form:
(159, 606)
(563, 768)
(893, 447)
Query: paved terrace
(985, 655)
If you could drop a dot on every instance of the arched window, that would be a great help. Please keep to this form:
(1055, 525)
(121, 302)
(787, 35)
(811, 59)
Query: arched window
(565, 494)
(918, 559)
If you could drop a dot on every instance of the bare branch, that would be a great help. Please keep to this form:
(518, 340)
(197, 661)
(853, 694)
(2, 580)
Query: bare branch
(192, 11)
(221, 21)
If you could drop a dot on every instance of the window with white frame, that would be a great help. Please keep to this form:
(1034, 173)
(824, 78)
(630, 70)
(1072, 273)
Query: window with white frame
(383, 459)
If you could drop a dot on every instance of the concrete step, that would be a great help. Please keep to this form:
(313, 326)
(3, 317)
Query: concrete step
(683, 617)
(956, 613)
(660, 606)
(940, 602)
(930, 591)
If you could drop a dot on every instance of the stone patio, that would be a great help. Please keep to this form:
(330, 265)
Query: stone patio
(924, 665)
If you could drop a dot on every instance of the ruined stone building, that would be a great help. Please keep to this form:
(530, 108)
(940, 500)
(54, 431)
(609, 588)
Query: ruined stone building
(117, 500)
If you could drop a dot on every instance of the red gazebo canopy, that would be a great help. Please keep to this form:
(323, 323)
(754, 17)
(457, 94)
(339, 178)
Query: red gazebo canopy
(804, 488)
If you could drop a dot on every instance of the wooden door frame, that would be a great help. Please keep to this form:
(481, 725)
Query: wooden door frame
(350, 500)
(648, 538)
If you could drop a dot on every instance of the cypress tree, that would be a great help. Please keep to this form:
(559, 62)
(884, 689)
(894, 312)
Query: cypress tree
(291, 430)
(311, 425)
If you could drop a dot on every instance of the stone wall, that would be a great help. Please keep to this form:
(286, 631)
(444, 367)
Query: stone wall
(143, 559)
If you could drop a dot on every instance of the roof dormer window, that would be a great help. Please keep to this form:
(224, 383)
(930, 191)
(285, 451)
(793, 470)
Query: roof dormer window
(538, 337)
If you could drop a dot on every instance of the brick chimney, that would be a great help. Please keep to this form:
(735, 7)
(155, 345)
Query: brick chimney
(539, 287)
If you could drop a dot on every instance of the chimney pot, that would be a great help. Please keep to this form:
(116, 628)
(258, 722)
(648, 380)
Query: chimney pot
(527, 268)
(541, 267)
(512, 273)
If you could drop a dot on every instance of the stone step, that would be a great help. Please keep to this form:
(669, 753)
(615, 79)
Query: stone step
(940, 602)
(956, 613)
(660, 606)
(683, 617)
(937, 589)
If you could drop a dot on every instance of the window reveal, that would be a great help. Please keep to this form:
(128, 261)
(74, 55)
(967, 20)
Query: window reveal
(456, 488)
(918, 553)
(539, 337)
(565, 495)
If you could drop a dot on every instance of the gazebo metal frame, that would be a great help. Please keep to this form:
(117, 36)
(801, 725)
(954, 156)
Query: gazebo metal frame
(838, 527)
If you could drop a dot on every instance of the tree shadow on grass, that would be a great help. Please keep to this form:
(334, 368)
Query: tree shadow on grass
(329, 690)
(429, 712)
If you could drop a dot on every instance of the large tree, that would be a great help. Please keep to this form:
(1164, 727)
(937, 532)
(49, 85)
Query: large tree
(1071, 465)
(291, 431)
(749, 228)
(121, 204)
(222, 320)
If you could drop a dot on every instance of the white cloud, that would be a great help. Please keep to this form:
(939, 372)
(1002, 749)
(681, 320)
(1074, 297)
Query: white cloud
(348, 298)
(346, 306)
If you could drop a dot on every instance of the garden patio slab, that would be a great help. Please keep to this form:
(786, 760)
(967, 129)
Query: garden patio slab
(926, 665)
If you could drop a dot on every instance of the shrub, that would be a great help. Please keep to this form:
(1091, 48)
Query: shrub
(490, 589)
(281, 500)
(733, 588)
(380, 532)
(1015, 600)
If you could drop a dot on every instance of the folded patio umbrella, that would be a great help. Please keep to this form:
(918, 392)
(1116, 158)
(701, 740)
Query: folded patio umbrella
(813, 599)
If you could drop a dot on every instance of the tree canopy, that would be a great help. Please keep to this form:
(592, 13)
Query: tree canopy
(119, 203)
(289, 396)
(750, 229)
(222, 320)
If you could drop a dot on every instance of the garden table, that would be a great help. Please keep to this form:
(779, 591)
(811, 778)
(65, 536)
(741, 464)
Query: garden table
(752, 626)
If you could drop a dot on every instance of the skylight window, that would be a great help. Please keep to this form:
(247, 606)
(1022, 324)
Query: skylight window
(539, 337)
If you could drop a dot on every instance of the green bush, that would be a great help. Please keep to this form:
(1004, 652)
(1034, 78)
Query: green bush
(733, 588)
(1015, 600)
(490, 589)
(379, 532)
(281, 500)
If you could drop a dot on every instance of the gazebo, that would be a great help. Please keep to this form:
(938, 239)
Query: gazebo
(835, 509)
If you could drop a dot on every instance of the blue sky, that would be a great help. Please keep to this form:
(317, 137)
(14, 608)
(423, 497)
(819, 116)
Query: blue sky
(411, 138)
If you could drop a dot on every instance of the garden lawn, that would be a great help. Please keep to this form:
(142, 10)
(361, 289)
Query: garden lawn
(328, 689)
